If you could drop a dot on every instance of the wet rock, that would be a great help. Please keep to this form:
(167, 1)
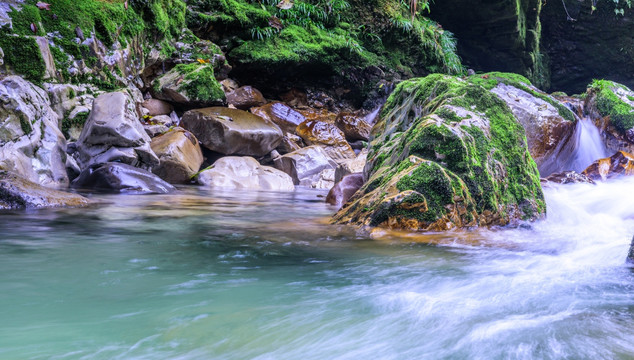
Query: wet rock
(619, 164)
(353, 126)
(16, 192)
(568, 177)
(157, 125)
(289, 144)
(123, 178)
(157, 107)
(191, 85)
(245, 98)
(305, 166)
(344, 189)
(281, 114)
(351, 166)
(327, 135)
(234, 172)
(31, 144)
(232, 131)
(319, 114)
(229, 85)
(180, 155)
(113, 132)
(630, 254)
(547, 131)
(612, 104)
(432, 166)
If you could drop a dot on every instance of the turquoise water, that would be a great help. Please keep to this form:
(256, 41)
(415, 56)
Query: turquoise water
(212, 275)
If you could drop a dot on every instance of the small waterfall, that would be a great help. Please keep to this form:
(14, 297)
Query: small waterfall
(578, 151)
(371, 117)
(589, 145)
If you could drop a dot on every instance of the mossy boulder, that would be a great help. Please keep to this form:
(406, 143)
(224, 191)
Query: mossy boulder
(190, 85)
(615, 105)
(446, 153)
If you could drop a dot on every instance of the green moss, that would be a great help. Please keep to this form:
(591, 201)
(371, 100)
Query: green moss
(25, 124)
(492, 79)
(78, 121)
(199, 83)
(23, 18)
(23, 55)
(430, 180)
(609, 104)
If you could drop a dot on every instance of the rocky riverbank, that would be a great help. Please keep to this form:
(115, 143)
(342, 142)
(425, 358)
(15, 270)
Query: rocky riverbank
(147, 105)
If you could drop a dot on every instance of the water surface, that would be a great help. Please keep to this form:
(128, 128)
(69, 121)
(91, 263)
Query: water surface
(216, 275)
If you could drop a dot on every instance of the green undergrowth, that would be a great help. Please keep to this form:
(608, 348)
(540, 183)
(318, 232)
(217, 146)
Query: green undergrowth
(22, 53)
(492, 79)
(609, 104)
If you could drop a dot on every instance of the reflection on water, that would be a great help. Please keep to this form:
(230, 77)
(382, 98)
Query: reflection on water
(203, 275)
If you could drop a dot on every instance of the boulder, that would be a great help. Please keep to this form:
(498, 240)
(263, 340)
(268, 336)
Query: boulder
(122, 178)
(245, 98)
(281, 114)
(353, 126)
(180, 156)
(305, 166)
(549, 125)
(351, 166)
(157, 125)
(16, 192)
(232, 131)
(113, 132)
(192, 85)
(619, 164)
(612, 104)
(289, 144)
(567, 177)
(157, 107)
(448, 154)
(327, 135)
(234, 172)
(344, 189)
(31, 144)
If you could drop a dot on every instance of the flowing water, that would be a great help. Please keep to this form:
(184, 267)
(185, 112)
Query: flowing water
(208, 275)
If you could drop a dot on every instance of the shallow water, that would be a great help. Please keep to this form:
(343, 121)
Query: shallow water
(212, 275)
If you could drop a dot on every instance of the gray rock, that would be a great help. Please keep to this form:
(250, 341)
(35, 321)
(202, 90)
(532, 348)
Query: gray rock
(123, 178)
(351, 166)
(114, 133)
(305, 166)
(234, 172)
(232, 131)
(180, 155)
(157, 107)
(630, 254)
(16, 192)
(31, 144)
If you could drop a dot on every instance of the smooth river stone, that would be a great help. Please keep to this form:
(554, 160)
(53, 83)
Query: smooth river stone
(17, 192)
(180, 155)
(232, 132)
(123, 178)
(233, 172)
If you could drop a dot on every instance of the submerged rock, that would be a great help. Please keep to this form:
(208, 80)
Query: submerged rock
(16, 192)
(180, 155)
(447, 153)
(328, 136)
(619, 164)
(245, 98)
(344, 189)
(231, 131)
(123, 178)
(31, 143)
(113, 132)
(234, 172)
(306, 166)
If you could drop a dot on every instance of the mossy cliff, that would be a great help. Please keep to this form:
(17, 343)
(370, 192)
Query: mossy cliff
(615, 104)
(348, 44)
(447, 153)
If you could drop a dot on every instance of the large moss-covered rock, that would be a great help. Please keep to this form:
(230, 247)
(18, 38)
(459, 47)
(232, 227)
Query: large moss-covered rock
(447, 153)
(192, 85)
(614, 103)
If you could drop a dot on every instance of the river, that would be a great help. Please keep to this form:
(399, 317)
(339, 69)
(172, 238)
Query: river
(213, 275)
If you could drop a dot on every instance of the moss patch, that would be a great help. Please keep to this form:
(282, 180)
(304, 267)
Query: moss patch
(23, 55)
(609, 104)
